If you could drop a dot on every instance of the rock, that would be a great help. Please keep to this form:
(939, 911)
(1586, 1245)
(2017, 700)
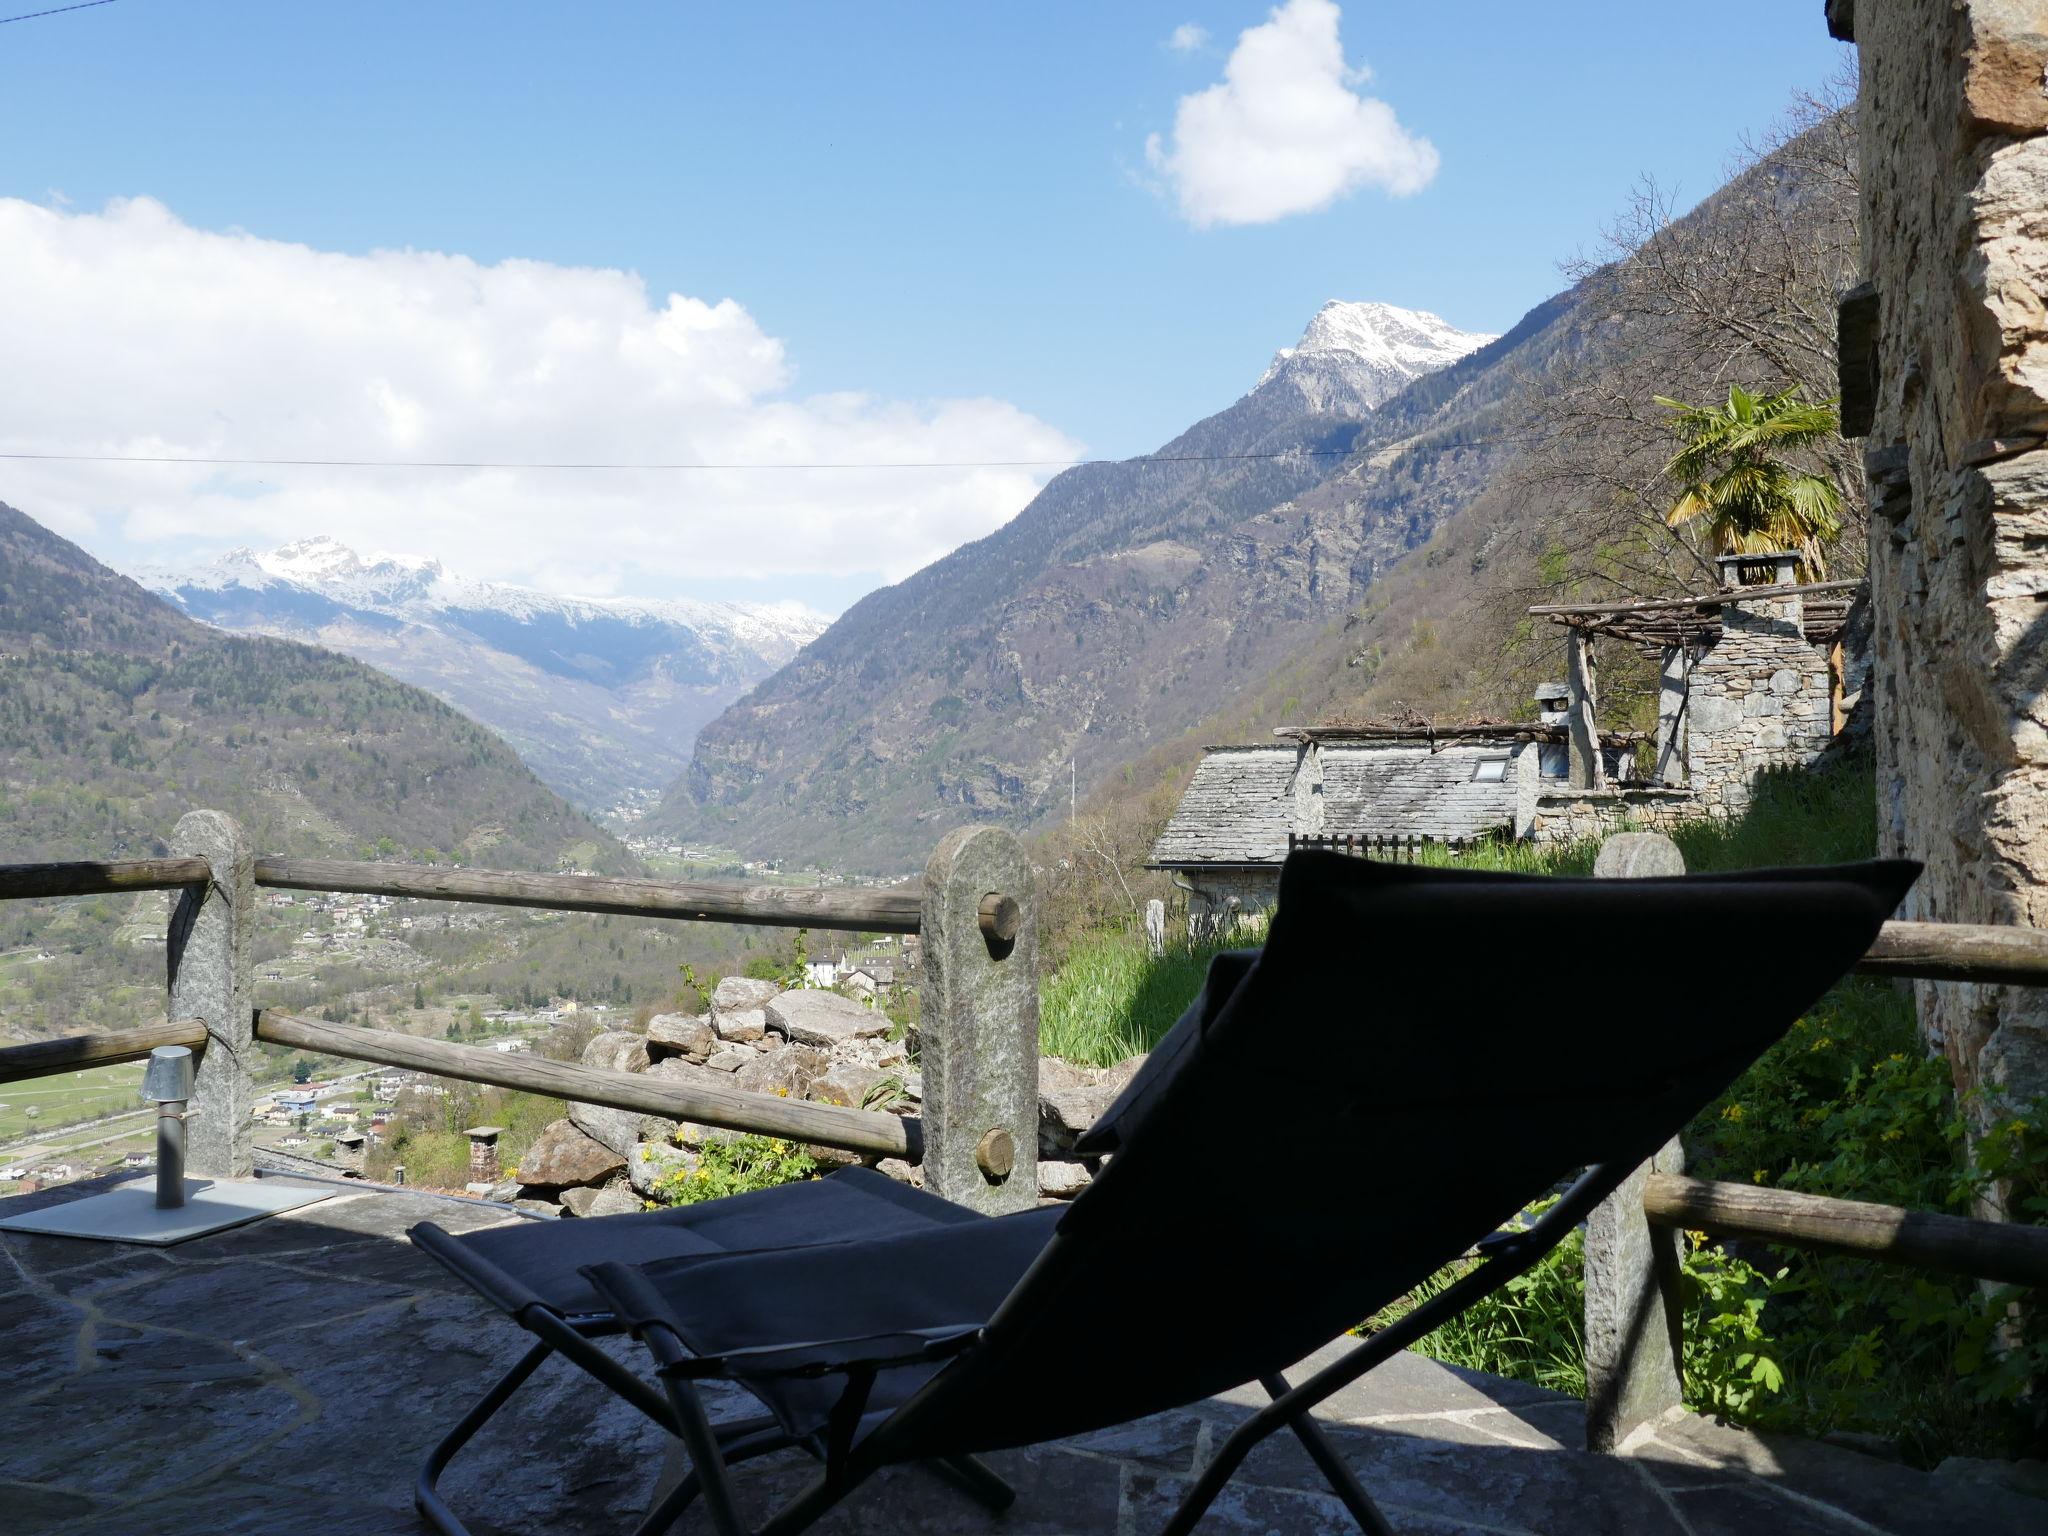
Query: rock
(688, 1074)
(562, 1157)
(902, 1172)
(2026, 1476)
(1867, 1443)
(825, 1019)
(504, 1191)
(848, 1083)
(1638, 856)
(680, 1034)
(615, 1199)
(738, 994)
(653, 1161)
(618, 1129)
(1059, 1180)
(731, 1059)
(741, 1025)
(1073, 1110)
(1119, 1076)
(1057, 1076)
(617, 1050)
(787, 1072)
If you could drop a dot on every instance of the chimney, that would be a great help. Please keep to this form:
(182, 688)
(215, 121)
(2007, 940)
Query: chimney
(1553, 700)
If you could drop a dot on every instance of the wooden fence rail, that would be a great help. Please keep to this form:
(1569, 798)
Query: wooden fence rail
(1983, 1250)
(780, 906)
(40, 1058)
(854, 1130)
(91, 877)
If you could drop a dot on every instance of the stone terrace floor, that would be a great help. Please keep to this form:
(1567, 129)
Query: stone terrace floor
(287, 1377)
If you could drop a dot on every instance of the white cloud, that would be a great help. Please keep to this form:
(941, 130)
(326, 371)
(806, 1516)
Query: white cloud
(131, 332)
(1285, 132)
(1187, 37)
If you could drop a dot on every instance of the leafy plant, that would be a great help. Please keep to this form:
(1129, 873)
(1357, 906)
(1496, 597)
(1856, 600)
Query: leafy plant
(734, 1167)
(1733, 479)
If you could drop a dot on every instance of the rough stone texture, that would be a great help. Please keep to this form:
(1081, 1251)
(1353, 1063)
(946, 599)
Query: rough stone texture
(788, 1071)
(739, 1026)
(1638, 856)
(847, 1082)
(617, 1050)
(812, 1017)
(619, 1129)
(562, 1156)
(1955, 240)
(1634, 1311)
(313, 1359)
(1762, 697)
(737, 994)
(680, 1034)
(653, 1161)
(615, 1199)
(209, 961)
(1059, 1180)
(979, 1018)
(729, 1059)
(1561, 815)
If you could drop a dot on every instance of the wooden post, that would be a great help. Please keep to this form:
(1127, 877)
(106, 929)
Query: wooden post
(1634, 1313)
(208, 956)
(978, 1025)
(1585, 769)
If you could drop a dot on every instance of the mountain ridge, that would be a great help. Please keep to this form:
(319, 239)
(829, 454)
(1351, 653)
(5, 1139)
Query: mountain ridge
(601, 695)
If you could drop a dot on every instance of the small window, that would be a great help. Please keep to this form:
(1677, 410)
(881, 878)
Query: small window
(1490, 770)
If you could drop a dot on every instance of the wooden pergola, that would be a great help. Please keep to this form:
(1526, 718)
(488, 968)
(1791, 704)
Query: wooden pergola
(1695, 622)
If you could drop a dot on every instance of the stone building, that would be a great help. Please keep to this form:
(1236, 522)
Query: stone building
(1759, 675)
(1945, 374)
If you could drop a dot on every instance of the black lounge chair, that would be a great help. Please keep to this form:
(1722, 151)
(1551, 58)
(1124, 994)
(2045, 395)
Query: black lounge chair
(1413, 1059)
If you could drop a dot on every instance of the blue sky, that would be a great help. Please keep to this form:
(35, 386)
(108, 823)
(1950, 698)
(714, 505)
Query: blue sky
(917, 202)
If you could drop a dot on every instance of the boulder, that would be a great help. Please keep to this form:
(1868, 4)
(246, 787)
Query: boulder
(689, 1074)
(653, 1161)
(739, 1026)
(1063, 1116)
(617, 1050)
(787, 1072)
(902, 1172)
(825, 1019)
(738, 994)
(615, 1199)
(680, 1034)
(562, 1157)
(848, 1083)
(618, 1129)
(1061, 1181)
(731, 1058)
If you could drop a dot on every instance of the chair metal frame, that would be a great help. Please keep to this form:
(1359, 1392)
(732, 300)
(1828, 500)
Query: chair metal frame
(1503, 1255)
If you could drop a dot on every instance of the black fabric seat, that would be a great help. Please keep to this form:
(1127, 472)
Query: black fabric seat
(530, 1263)
(1413, 1058)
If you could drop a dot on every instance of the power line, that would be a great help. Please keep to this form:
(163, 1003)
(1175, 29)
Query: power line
(1150, 458)
(84, 5)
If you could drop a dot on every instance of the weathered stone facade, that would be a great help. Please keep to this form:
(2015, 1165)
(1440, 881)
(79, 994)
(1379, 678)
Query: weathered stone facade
(1954, 126)
(1760, 698)
(1562, 815)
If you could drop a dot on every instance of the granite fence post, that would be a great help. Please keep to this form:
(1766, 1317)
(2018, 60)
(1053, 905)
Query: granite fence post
(1634, 1313)
(978, 1022)
(1155, 927)
(1584, 768)
(208, 958)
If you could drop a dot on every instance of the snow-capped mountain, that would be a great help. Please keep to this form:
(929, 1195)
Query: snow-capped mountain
(1357, 356)
(603, 696)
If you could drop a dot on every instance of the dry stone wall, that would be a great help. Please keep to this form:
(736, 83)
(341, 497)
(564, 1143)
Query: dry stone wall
(1954, 125)
(1761, 698)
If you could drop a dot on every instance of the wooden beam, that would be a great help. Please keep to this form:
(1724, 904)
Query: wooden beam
(71, 1053)
(1983, 1250)
(1710, 600)
(1985, 952)
(99, 878)
(777, 906)
(855, 1130)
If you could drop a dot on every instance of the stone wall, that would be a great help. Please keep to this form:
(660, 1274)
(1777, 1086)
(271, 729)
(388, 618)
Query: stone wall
(1954, 126)
(1220, 900)
(1760, 698)
(1563, 815)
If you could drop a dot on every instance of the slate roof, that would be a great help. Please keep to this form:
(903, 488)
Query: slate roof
(1238, 810)
(1241, 805)
(1413, 792)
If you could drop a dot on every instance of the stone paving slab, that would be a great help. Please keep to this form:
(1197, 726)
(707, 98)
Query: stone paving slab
(285, 1379)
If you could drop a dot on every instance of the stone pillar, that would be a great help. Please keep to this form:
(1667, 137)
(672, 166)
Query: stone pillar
(1635, 1313)
(208, 957)
(1155, 927)
(483, 1153)
(1587, 771)
(978, 1023)
(1671, 681)
(1954, 127)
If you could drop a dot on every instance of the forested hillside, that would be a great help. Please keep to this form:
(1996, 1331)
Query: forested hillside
(117, 715)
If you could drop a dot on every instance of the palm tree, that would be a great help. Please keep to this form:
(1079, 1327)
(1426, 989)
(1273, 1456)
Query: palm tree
(1732, 476)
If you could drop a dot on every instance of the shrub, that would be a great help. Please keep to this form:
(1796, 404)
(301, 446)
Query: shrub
(735, 1167)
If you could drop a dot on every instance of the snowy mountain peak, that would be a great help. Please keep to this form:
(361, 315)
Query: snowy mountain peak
(1357, 355)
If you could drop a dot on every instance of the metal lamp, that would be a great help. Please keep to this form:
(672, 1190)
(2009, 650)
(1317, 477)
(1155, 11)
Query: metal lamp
(168, 1080)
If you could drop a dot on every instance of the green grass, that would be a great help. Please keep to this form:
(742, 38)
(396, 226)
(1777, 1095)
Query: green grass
(68, 1097)
(1112, 1000)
